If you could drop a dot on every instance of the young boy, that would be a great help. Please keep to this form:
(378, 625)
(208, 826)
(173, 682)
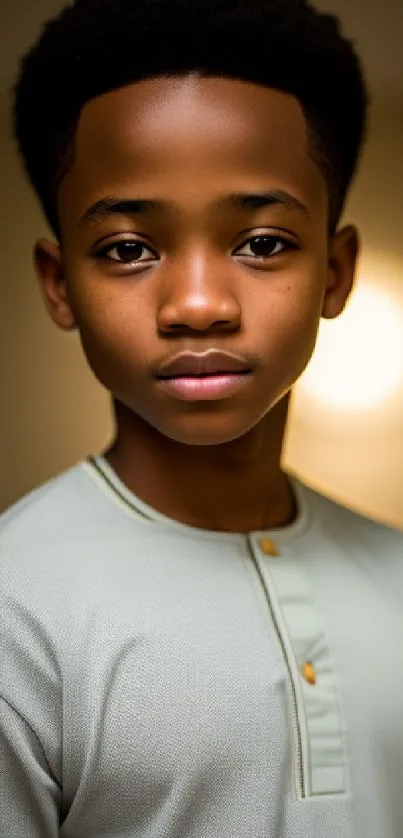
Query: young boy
(194, 643)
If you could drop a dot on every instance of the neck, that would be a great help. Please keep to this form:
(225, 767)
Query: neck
(235, 487)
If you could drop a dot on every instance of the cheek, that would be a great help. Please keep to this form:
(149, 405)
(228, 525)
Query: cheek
(117, 342)
(288, 316)
(287, 328)
(113, 331)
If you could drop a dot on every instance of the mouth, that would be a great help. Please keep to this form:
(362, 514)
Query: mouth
(204, 386)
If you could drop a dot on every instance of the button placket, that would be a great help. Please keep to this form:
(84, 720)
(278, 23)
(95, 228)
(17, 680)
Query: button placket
(323, 756)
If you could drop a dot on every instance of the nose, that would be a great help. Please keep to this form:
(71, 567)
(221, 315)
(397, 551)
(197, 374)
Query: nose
(197, 295)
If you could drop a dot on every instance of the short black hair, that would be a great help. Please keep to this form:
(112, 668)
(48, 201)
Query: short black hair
(96, 46)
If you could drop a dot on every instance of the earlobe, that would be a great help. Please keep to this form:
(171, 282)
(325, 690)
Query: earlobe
(49, 270)
(342, 262)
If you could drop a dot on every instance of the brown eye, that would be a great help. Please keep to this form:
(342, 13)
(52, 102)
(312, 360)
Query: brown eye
(124, 252)
(264, 247)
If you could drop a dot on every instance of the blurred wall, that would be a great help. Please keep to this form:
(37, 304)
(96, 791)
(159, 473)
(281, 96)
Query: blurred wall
(357, 458)
(53, 412)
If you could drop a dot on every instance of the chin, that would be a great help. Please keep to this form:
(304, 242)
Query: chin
(206, 431)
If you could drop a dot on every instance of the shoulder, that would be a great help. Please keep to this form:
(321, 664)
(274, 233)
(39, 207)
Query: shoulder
(375, 546)
(333, 514)
(47, 534)
(33, 530)
(68, 529)
(45, 507)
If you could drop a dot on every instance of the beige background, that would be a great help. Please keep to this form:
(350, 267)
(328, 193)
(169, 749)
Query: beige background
(53, 412)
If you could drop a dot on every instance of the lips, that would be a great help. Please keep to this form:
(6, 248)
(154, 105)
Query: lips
(212, 362)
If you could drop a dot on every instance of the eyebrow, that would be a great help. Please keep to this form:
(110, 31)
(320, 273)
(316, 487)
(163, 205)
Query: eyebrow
(238, 200)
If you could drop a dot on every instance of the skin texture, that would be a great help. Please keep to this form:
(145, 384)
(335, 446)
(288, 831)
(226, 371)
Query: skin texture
(197, 283)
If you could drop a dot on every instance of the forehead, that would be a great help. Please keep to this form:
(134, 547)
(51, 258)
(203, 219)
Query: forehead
(189, 137)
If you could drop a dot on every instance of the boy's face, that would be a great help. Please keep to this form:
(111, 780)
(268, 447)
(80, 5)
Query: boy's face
(191, 275)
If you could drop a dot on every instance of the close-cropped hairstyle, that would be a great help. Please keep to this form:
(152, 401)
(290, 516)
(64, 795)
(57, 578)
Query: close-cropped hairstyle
(95, 46)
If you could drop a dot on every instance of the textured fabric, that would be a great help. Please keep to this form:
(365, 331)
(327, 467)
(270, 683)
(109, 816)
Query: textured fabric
(151, 678)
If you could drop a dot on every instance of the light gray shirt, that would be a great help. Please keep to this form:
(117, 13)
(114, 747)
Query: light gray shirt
(163, 681)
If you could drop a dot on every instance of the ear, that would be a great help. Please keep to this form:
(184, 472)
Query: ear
(49, 270)
(344, 248)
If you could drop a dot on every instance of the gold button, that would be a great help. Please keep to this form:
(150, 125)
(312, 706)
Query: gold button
(309, 672)
(268, 547)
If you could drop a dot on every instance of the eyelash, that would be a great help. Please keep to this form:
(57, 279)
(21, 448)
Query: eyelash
(286, 243)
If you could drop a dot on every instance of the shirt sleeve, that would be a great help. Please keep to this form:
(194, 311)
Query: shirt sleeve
(31, 701)
(30, 796)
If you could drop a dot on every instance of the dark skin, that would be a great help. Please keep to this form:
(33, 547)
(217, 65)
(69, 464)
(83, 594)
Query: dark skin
(196, 280)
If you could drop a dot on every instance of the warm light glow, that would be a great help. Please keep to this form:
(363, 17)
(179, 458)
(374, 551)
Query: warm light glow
(358, 360)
